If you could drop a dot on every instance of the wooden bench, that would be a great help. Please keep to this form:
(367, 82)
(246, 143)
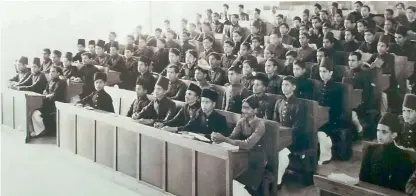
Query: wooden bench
(352, 97)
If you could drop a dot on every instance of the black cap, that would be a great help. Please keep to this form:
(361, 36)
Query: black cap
(402, 30)
(145, 60)
(262, 77)
(68, 55)
(210, 94)
(36, 61)
(114, 44)
(81, 42)
(101, 43)
(91, 42)
(24, 60)
(100, 76)
(163, 82)
(390, 120)
(57, 53)
(195, 88)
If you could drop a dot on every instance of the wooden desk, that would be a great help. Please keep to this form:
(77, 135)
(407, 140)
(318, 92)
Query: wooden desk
(164, 160)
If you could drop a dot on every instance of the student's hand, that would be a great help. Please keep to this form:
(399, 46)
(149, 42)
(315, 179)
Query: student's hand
(72, 78)
(145, 121)
(169, 129)
(158, 125)
(44, 93)
(62, 77)
(217, 137)
(78, 104)
(135, 116)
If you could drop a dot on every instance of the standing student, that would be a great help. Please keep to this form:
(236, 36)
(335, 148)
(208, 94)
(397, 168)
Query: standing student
(228, 57)
(160, 58)
(143, 72)
(162, 108)
(235, 91)
(385, 164)
(69, 71)
(111, 38)
(266, 102)
(189, 111)
(37, 80)
(131, 67)
(98, 99)
(275, 81)
(81, 50)
(247, 78)
(56, 59)
(187, 71)
(86, 74)
(102, 58)
(141, 101)
(44, 118)
(47, 61)
(406, 136)
(217, 75)
(177, 88)
(91, 48)
(23, 73)
(304, 88)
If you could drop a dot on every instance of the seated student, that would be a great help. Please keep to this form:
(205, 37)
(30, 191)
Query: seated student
(206, 31)
(23, 72)
(288, 68)
(321, 54)
(143, 72)
(202, 77)
(56, 59)
(361, 28)
(330, 44)
(268, 53)
(233, 26)
(406, 136)
(279, 19)
(112, 38)
(47, 61)
(217, 75)
(389, 29)
(350, 44)
(368, 17)
(43, 118)
(290, 112)
(356, 14)
(187, 71)
(294, 31)
(255, 32)
(160, 58)
(101, 58)
(235, 91)
(247, 79)
(170, 42)
(162, 108)
(141, 101)
(305, 18)
(403, 46)
(86, 74)
(245, 54)
(238, 40)
(192, 30)
(174, 59)
(275, 81)
(284, 32)
(411, 15)
(385, 164)
(36, 81)
(131, 67)
(257, 48)
(370, 44)
(304, 88)
(189, 111)
(91, 48)
(279, 49)
(348, 25)
(207, 120)
(185, 45)
(152, 40)
(117, 63)
(99, 99)
(411, 185)
(263, 27)
(69, 71)
(142, 48)
(207, 44)
(130, 40)
(248, 135)
(338, 23)
(305, 52)
(315, 32)
(218, 26)
(324, 16)
(176, 89)
(266, 102)
(228, 57)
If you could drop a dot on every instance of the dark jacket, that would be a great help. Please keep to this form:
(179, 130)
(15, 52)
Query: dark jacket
(204, 124)
(369, 48)
(100, 100)
(233, 98)
(331, 95)
(275, 85)
(86, 74)
(159, 111)
(218, 76)
(78, 56)
(102, 60)
(185, 114)
(160, 60)
(71, 71)
(46, 65)
(176, 90)
(406, 50)
(138, 105)
(407, 135)
(150, 80)
(35, 83)
(304, 87)
(266, 107)
(55, 91)
(21, 77)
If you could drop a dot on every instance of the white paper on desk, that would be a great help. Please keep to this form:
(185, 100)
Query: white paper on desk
(199, 137)
(229, 146)
(343, 178)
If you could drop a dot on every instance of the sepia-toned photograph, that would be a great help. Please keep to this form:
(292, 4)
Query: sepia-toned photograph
(208, 98)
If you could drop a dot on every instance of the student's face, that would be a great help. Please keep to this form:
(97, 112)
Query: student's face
(364, 12)
(236, 37)
(368, 37)
(66, 62)
(207, 44)
(254, 30)
(400, 39)
(409, 115)
(142, 68)
(247, 111)
(167, 25)
(305, 17)
(357, 7)
(159, 92)
(325, 30)
(190, 97)
(283, 30)
(387, 15)
(320, 56)
(228, 49)
(142, 43)
(56, 58)
(326, 43)
(267, 54)
(400, 9)
(225, 9)
(338, 18)
(302, 30)
(323, 16)
(35, 68)
(86, 60)
(99, 50)
(388, 26)
(113, 51)
(207, 105)
(348, 36)
(130, 40)
(189, 58)
(158, 34)
(296, 23)
(171, 74)
(382, 47)
(199, 75)
(173, 58)
(316, 24)
(160, 44)
(353, 62)
(128, 53)
(360, 27)
(279, 19)
(256, 15)
(111, 37)
(53, 73)
(325, 74)
(316, 10)
(20, 66)
(274, 39)
(303, 40)
(184, 37)
(269, 68)
(140, 91)
(234, 19)
(91, 48)
(243, 50)
(298, 71)
(45, 55)
(258, 87)
(410, 14)
(290, 59)
(213, 62)
(233, 77)
(384, 134)
(247, 69)
(170, 36)
(215, 17)
(81, 48)
(99, 84)
(348, 24)
(255, 43)
(287, 87)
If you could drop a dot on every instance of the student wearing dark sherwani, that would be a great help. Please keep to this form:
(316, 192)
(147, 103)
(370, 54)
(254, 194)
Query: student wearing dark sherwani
(385, 164)
(141, 101)
(260, 83)
(411, 185)
(403, 46)
(207, 44)
(245, 54)
(37, 80)
(189, 111)
(47, 61)
(143, 72)
(177, 88)
(287, 70)
(86, 74)
(187, 71)
(247, 78)
(305, 52)
(81, 50)
(44, 118)
(228, 57)
(111, 37)
(160, 58)
(91, 48)
(217, 74)
(249, 135)
(370, 44)
(304, 88)
(207, 120)
(350, 44)
(255, 32)
(23, 73)
(218, 27)
(174, 59)
(142, 49)
(235, 92)
(131, 66)
(102, 58)
(275, 81)
(118, 64)
(68, 70)
(162, 108)
(56, 59)
(185, 45)
(98, 99)
(407, 135)
(234, 26)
